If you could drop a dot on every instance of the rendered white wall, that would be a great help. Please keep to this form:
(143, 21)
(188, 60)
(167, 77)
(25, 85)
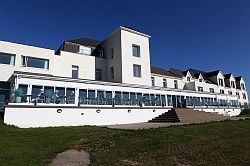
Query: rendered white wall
(25, 50)
(46, 117)
(127, 40)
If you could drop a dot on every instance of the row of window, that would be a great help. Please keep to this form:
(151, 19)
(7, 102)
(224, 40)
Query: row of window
(90, 96)
(26, 61)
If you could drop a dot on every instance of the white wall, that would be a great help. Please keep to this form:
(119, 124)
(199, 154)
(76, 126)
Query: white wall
(46, 117)
(18, 50)
(113, 41)
(87, 65)
(127, 40)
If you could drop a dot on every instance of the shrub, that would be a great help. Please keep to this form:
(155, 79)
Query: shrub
(245, 112)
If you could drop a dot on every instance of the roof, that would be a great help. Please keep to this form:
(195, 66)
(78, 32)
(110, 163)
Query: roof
(227, 76)
(85, 42)
(238, 78)
(161, 71)
(212, 73)
(177, 72)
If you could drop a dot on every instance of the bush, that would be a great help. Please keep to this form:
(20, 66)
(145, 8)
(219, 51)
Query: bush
(245, 112)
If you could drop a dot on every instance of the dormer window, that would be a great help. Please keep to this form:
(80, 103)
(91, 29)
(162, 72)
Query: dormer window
(188, 79)
(243, 86)
(221, 82)
(232, 84)
(84, 50)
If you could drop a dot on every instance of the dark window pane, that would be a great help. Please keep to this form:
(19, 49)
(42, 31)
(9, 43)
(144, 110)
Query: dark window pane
(7, 58)
(91, 93)
(60, 91)
(36, 90)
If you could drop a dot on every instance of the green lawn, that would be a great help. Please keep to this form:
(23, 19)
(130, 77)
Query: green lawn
(217, 143)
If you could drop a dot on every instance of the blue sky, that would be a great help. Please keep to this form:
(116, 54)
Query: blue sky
(207, 35)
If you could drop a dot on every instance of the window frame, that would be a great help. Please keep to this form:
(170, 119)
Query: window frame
(12, 58)
(75, 68)
(139, 71)
(138, 50)
(25, 60)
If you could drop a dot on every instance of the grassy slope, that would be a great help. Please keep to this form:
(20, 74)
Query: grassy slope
(224, 143)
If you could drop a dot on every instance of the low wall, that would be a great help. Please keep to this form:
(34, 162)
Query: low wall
(223, 111)
(26, 117)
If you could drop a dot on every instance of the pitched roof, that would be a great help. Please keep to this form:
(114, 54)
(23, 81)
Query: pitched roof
(85, 42)
(177, 72)
(212, 73)
(238, 78)
(227, 76)
(161, 71)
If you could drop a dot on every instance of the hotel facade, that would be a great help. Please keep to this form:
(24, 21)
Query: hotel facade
(86, 79)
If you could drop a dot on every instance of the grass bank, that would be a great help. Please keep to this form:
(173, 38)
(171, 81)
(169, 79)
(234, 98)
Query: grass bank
(216, 143)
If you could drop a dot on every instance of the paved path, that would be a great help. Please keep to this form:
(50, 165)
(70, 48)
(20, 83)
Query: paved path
(145, 125)
(71, 158)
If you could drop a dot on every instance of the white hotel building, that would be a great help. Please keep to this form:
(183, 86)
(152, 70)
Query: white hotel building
(89, 75)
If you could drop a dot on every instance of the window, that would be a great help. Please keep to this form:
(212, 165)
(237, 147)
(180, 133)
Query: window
(137, 70)
(175, 84)
(136, 50)
(35, 62)
(200, 80)
(242, 86)
(85, 50)
(221, 82)
(244, 96)
(200, 89)
(237, 93)
(188, 79)
(112, 73)
(164, 83)
(153, 81)
(211, 90)
(111, 53)
(8, 59)
(98, 74)
(75, 72)
(230, 92)
(222, 92)
(232, 84)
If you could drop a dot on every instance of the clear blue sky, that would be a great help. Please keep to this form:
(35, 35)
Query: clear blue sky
(202, 34)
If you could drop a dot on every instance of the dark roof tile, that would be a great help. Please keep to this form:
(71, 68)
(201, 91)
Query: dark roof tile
(85, 42)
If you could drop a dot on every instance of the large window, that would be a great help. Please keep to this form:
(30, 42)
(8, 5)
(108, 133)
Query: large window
(85, 50)
(8, 59)
(35, 62)
(75, 72)
(136, 50)
(137, 70)
(98, 74)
